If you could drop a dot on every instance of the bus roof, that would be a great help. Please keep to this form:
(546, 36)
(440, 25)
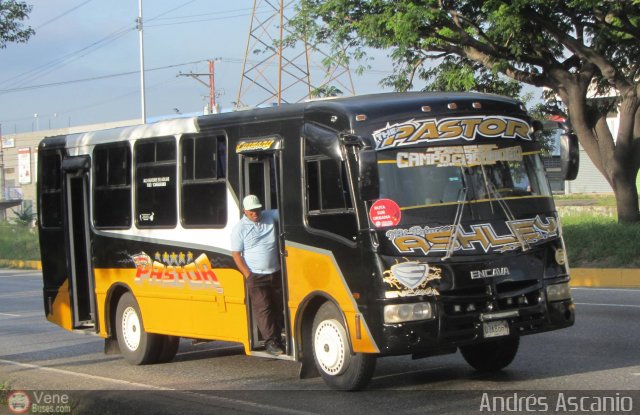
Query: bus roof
(374, 107)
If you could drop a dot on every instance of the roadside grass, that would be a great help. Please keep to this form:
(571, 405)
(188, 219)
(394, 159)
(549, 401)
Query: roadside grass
(598, 241)
(18, 242)
(5, 388)
(586, 199)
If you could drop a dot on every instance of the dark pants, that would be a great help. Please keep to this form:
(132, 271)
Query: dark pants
(265, 291)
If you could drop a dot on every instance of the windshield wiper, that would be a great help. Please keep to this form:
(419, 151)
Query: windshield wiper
(458, 218)
(491, 190)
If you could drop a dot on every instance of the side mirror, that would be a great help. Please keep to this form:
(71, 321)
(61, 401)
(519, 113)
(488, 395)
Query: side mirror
(368, 180)
(569, 156)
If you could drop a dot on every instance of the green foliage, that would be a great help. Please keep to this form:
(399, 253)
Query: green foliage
(25, 215)
(5, 388)
(596, 241)
(326, 91)
(18, 242)
(12, 13)
(522, 39)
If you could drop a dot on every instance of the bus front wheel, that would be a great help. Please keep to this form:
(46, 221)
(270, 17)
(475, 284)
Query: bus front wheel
(339, 367)
(168, 349)
(136, 345)
(491, 356)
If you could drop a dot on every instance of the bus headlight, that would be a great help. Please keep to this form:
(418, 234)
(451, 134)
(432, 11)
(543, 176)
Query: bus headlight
(399, 313)
(558, 292)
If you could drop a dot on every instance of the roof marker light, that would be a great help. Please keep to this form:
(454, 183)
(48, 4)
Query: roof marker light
(476, 105)
(452, 106)
(426, 108)
(361, 117)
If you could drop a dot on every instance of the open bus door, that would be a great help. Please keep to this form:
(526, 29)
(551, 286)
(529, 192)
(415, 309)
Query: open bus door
(76, 230)
(260, 177)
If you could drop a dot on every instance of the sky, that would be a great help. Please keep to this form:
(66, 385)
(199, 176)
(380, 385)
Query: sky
(82, 65)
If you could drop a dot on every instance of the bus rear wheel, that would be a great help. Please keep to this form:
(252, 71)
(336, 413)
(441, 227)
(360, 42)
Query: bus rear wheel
(491, 356)
(136, 345)
(339, 367)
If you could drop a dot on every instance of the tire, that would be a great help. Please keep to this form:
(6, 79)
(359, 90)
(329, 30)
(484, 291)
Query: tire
(339, 367)
(492, 355)
(136, 345)
(168, 349)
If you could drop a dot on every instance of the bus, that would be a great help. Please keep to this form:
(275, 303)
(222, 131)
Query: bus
(410, 224)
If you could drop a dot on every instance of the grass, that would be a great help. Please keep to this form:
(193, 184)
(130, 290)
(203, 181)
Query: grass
(18, 242)
(596, 241)
(588, 199)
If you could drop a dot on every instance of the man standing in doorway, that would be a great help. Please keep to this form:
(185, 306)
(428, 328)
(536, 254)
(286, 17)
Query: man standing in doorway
(254, 247)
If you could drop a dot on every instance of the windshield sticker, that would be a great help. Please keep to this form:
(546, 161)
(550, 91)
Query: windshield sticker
(385, 212)
(459, 156)
(432, 130)
(437, 239)
(411, 278)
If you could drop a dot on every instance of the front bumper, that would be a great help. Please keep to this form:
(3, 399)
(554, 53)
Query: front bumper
(459, 321)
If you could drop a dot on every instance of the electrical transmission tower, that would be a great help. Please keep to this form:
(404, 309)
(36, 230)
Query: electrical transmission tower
(284, 72)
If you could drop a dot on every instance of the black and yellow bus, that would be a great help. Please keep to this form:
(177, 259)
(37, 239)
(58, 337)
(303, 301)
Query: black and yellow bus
(410, 224)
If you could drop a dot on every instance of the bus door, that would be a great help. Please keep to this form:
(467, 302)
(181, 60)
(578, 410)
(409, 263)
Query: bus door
(76, 191)
(260, 176)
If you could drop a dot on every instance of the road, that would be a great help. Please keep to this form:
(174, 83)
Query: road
(599, 355)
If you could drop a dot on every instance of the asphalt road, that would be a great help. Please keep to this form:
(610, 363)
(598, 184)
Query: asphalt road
(598, 356)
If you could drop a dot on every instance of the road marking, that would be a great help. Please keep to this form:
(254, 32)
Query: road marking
(234, 402)
(84, 375)
(10, 315)
(610, 305)
(22, 294)
(26, 274)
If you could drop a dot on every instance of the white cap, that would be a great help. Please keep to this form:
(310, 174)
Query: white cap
(251, 202)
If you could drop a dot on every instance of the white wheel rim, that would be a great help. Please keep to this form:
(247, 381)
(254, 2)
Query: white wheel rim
(329, 345)
(131, 330)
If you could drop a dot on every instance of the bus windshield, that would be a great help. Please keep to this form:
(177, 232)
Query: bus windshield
(439, 175)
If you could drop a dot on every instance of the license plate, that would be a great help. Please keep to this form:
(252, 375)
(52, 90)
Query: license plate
(495, 328)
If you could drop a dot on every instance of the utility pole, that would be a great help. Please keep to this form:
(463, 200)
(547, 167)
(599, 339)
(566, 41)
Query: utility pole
(141, 43)
(212, 106)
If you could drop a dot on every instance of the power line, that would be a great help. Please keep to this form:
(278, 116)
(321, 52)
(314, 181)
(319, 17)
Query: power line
(62, 14)
(60, 61)
(95, 78)
(245, 9)
(205, 20)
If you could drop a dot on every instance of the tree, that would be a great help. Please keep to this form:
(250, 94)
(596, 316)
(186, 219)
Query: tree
(326, 91)
(12, 13)
(25, 215)
(573, 47)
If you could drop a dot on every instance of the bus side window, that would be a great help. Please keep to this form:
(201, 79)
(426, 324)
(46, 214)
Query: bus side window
(112, 186)
(203, 199)
(329, 206)
(51, 194)
(155, 164)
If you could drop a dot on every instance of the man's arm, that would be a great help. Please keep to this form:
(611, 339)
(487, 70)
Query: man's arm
(241, 263)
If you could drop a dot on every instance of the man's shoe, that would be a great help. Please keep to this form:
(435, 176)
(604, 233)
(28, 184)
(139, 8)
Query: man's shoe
(274, 349)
